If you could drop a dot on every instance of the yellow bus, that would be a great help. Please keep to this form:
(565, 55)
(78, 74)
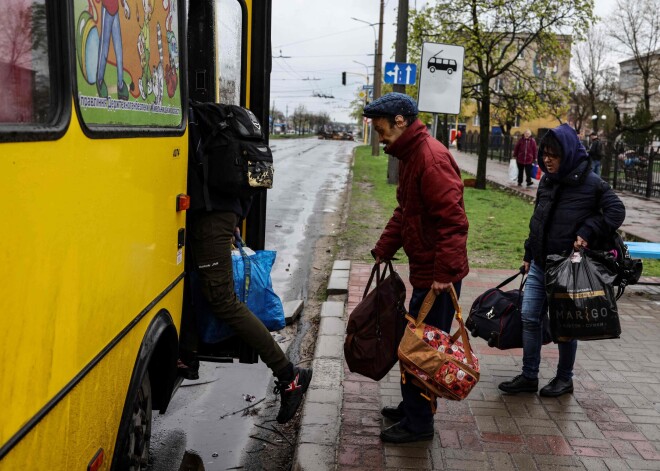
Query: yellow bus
(93, 155)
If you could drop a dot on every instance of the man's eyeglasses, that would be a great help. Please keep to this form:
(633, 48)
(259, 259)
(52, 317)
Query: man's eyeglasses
(550, 155)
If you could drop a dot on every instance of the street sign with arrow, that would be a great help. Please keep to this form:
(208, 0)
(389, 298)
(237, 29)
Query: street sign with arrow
(400, 73)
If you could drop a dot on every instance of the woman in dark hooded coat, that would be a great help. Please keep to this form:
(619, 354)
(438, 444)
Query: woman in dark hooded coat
(574, 208)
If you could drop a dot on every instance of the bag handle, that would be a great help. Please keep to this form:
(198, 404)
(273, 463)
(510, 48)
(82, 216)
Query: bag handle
(462, 332)
(380, 277)
(375, 271)
(521, 271)
(247, 268)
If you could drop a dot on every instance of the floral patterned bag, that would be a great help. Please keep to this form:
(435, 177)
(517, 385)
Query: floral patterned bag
(443, 365)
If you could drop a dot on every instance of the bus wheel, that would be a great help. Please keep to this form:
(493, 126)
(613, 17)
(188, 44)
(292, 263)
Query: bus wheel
(135, 451)
(450, 71)
(431, 69)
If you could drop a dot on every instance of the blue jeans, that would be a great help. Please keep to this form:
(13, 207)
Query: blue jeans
(110, 28)
(418, 415)
(534, 307)
(596, 164)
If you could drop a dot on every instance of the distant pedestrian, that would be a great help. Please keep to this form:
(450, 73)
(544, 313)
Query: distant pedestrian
(595, 152)
(431, 226)
(574, 208)
(459, 135)
(525, 154)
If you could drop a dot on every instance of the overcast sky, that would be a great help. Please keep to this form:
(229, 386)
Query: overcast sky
(315, 41)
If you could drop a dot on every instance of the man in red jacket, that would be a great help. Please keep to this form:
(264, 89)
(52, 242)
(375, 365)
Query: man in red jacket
(431, 226)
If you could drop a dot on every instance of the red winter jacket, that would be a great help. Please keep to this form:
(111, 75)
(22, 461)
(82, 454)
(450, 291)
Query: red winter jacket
(525, 150)
(429, 222)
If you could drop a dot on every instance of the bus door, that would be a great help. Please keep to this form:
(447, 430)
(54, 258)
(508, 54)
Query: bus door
(228, 62)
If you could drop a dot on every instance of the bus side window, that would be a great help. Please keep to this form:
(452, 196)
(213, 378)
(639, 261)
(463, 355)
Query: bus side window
(25, 96)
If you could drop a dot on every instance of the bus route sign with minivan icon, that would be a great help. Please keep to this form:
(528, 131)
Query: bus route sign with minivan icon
(441, 78)
(439, 63)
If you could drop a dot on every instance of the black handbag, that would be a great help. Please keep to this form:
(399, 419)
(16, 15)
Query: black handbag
(376, 325)
(495, 316)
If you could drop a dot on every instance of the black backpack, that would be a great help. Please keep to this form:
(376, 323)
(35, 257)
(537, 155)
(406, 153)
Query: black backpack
(228, 150)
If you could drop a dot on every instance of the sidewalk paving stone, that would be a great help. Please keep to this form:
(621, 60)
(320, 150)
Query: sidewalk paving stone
(610, 422)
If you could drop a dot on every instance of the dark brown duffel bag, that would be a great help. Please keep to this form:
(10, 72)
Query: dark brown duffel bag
(376, 325)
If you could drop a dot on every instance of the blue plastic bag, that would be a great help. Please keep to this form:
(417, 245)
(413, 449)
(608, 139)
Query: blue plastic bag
(253, 286)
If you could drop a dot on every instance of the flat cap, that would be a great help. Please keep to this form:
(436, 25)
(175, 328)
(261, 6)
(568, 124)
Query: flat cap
(391, 104)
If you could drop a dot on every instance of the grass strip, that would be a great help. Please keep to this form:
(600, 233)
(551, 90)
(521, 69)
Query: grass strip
(499, 221)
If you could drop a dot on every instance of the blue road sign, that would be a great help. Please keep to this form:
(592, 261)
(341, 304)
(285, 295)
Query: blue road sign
(400, 73)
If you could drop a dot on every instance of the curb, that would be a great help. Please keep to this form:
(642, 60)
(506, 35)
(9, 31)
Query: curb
(320, 423)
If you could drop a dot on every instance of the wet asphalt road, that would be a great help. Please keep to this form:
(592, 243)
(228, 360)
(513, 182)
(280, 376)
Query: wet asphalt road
(201, 429)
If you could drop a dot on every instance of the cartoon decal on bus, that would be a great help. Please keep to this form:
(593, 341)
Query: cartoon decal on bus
(438, 63)
(134, 80)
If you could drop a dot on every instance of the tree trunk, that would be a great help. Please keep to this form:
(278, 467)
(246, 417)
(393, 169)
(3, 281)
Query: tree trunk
(484, 125)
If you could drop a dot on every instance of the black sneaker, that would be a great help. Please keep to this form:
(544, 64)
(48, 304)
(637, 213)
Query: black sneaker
(519, 384)
(291, 393)
(530, 183)
(189, 370)
(397, 433)
(557, 387)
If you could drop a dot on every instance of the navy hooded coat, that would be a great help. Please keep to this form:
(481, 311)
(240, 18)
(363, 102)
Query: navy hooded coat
(572, 202)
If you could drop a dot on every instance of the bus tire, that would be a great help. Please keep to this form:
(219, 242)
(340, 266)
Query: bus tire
(134, 454)
(431, 69)
(450, 71)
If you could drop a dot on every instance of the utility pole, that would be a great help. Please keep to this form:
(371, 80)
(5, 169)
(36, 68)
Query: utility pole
(272, 118)
(401, 52)
(378, 78)
(400, 56)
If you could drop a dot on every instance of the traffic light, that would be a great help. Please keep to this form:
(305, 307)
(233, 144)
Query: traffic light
(343, 78)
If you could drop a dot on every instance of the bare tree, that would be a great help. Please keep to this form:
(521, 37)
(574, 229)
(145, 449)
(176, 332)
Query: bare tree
(591, 73)
(22, 32)
(635, 25)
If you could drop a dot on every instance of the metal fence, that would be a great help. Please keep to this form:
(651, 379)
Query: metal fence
(633, 167)
(630, 165)
(500, 147)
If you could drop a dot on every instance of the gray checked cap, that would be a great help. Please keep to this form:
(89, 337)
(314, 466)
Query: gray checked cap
(392, 104)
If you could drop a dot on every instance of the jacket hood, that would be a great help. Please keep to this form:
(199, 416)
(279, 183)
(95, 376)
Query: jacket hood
(573, 152)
